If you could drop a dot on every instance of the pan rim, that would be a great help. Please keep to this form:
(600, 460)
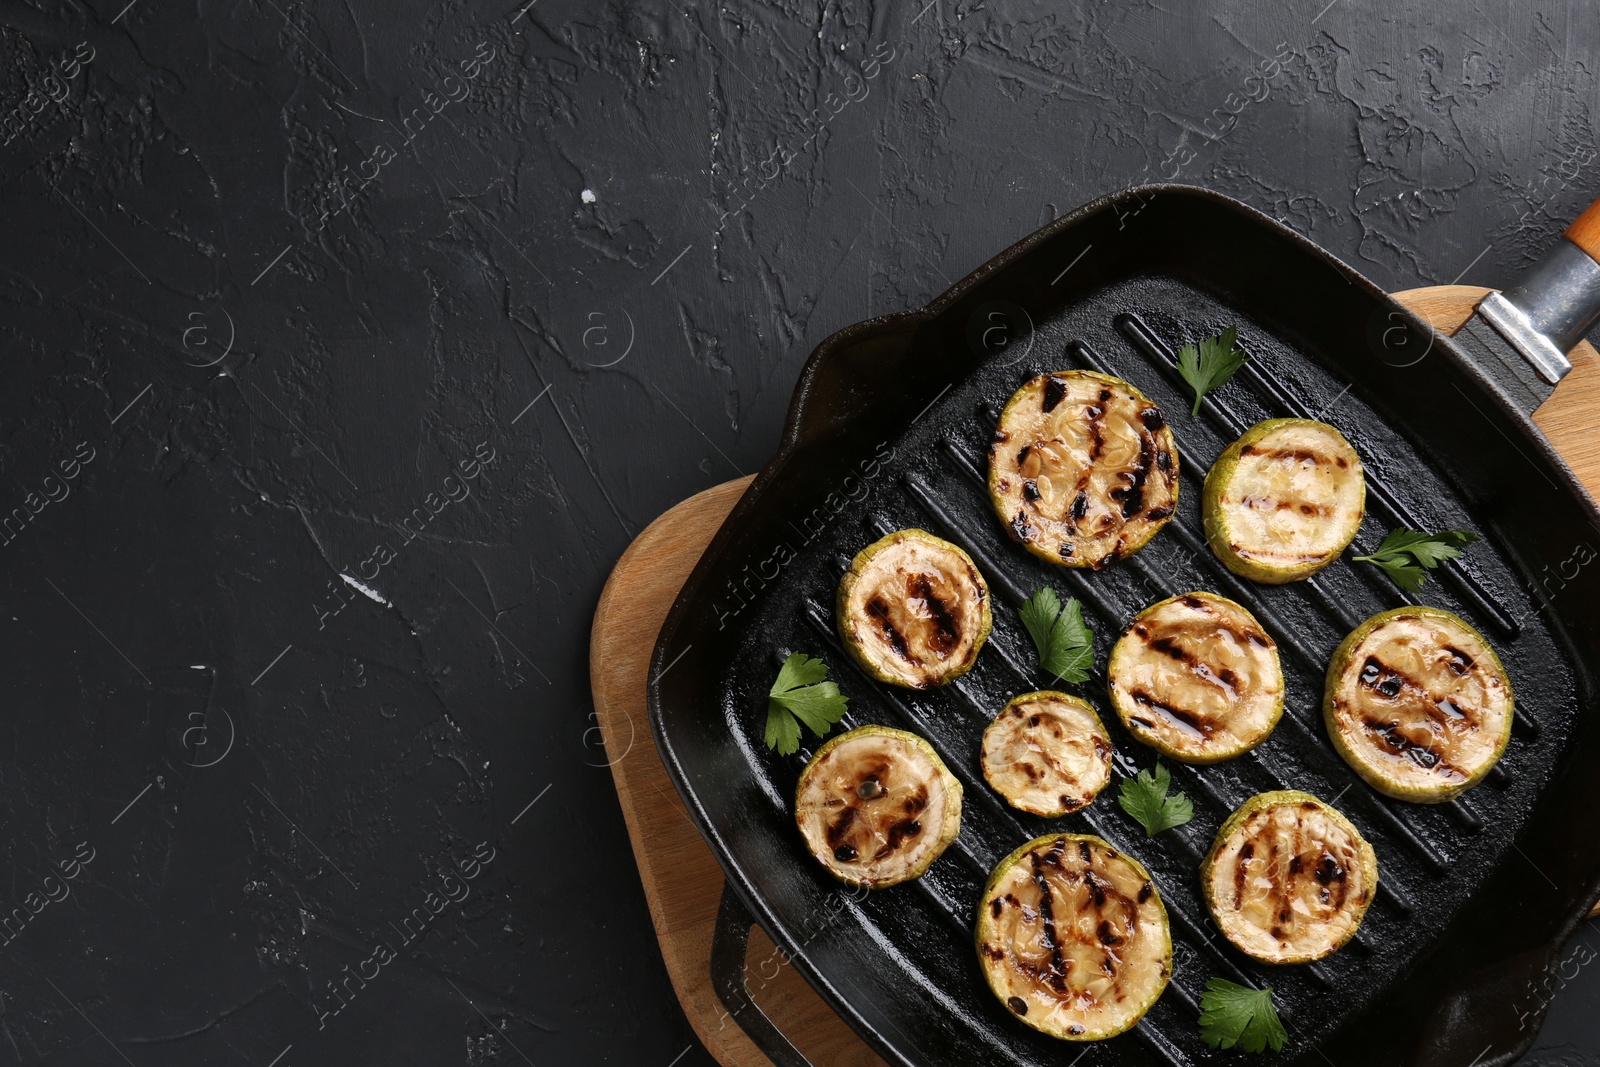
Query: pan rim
(794, 439)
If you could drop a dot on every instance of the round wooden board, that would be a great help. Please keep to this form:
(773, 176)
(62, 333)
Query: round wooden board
(682, 882)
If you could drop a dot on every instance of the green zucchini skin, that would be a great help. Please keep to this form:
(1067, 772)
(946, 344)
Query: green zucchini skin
(1394, 760)
(1083, 469)
(1127, 906)
(1168, 673)
(1296, 542)
(896, 644)
(911, 817)
(1332, 883)
(1047, 753)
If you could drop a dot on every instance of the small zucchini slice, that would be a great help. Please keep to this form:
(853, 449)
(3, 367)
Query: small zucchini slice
(1418, 704)
(1283, 500)
(1047, 753)
(1196, 678)
(1083, 469)
(876, 806)
(913, 610)
(1073, 937)
(1288, 878)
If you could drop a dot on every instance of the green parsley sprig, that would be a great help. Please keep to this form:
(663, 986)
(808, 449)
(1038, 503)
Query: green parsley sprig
(1210, 365)
(1407, 555)
(801, 695)
(1064, 640)
(1144, 797)
(1232, 1014)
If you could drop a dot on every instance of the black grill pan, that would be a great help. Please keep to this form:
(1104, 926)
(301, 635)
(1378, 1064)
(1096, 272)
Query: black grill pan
(889, 428)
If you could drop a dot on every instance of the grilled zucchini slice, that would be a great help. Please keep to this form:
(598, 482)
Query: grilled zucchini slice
(1047, 753)
(1083, 469)
(1073, 937)
(1288, 878)
(1196, 678)
(913, 610)
(876, 806)
(1283, 500)
(1418, 704)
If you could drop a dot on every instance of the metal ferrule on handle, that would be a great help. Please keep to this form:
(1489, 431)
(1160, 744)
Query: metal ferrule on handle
(1549, 310)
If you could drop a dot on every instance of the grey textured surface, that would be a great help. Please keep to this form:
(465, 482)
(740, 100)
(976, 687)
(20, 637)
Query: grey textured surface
(280, 274)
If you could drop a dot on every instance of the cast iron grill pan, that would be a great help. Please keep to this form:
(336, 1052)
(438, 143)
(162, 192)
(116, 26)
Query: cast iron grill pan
(894, 418)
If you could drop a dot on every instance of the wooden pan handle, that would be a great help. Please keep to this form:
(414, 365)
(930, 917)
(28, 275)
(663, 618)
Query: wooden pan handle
(1585, 231)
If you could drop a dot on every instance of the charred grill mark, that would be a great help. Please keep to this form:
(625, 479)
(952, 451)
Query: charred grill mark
(899, 833)
(1199, 723)
(1378, 677)
(917, 801)
(1097, 430)
(995, 907)
(1022, 529)
(1030, 490)
(1170, 648)
(1018, 1005)
(1295, 455)
(1267, 503)
(1132, 494)
(1056, 976)
(945, 631)
(1022, 456)
(1079, 508)
(1055, 390)
(1162, 512)
(1106, 935)
(836, 830)
(1164, 460)
(1151, 417)
(1245, 852)
(878, 610)
(1398, 744)
(1146, 891)
(1460, 663)
(1097, 892)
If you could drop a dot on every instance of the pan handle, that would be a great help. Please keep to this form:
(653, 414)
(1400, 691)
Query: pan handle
(729, 941)
(1552, 306)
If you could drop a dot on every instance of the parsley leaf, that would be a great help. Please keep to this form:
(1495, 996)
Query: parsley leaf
(1064, 640)
(800, 695)
(1406, 555)
(1211, 364)
(1233, 1014)
(1145, 798)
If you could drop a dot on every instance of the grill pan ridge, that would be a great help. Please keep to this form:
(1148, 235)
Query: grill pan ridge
(890, 428)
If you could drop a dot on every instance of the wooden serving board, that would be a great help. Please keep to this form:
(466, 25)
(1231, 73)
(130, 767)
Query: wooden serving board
(682, 881)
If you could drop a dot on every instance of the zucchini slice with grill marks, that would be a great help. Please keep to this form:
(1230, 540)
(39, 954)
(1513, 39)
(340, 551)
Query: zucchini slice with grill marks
(877, 806)
(1047, 753)
(1083, 469)
(1418, 704)
(1073, 938)
(1288, 878)
(913, 610)
(1283, 500)
(1197, 678)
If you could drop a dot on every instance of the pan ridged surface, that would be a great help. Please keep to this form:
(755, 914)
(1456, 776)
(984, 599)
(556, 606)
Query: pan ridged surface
(1431, 858)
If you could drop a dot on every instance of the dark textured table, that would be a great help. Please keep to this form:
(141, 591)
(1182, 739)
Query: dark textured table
(348, 344)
